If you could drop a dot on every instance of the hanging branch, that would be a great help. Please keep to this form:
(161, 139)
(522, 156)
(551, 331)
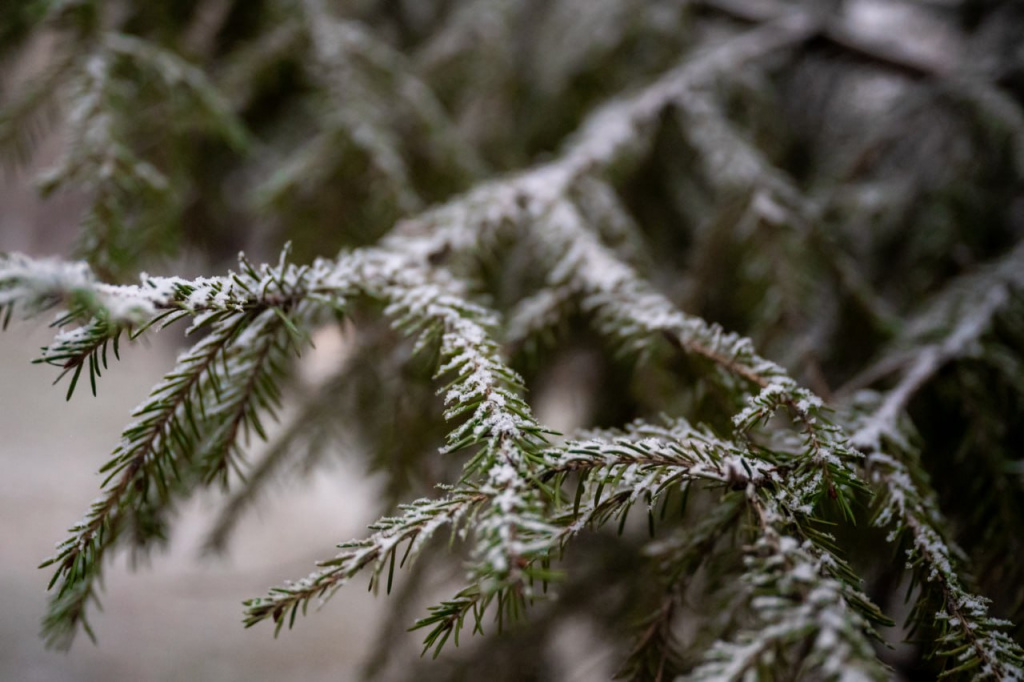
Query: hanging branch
(420, 520)
(140, 479)
(959, 316)
(968, 635)
(188, 429)
(798, 608)
(497, 429)
(955, 320)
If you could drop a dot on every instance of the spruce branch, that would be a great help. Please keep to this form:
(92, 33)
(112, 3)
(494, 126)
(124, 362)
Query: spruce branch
(626, 307)
(187, 431)
(39, 285)
(103, 312)
(614, 473)
(180, 441)
(751, 150)
(644, 464)
(648, 459)
(140, 477)
(971, 638)
(419, 521)
(536, 193)
(950, 327)
(821, 438)
(484, 393)
(73, 349)
(798, 606)
(953, 326)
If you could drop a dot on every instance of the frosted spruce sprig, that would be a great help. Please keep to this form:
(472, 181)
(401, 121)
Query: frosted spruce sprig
(93, 314)
(952, 326)
(629, 310)
(641, 466)
(612, 473)
(461, 225)
(144, 472)
(379, 552)
(187, 432)
(494, 425)
(646, 460)
(970, 638)
(797, 607)
(241, 313)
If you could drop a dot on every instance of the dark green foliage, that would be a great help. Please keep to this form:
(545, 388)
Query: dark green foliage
(772, 264)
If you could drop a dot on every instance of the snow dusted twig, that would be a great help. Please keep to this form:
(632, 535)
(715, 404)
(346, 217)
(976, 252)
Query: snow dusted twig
(146, 458)
(646, 462)
(105, 311)
(627, 308)
(969, 634)
(965, 311)
(37, 285)
(496, 426)
(187, 431)
(960, 316)
(418, 522)
(615, 471)
(242, 309)
(796, 603)
(646, 459)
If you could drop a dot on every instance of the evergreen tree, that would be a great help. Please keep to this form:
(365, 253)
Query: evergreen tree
(774, 249)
